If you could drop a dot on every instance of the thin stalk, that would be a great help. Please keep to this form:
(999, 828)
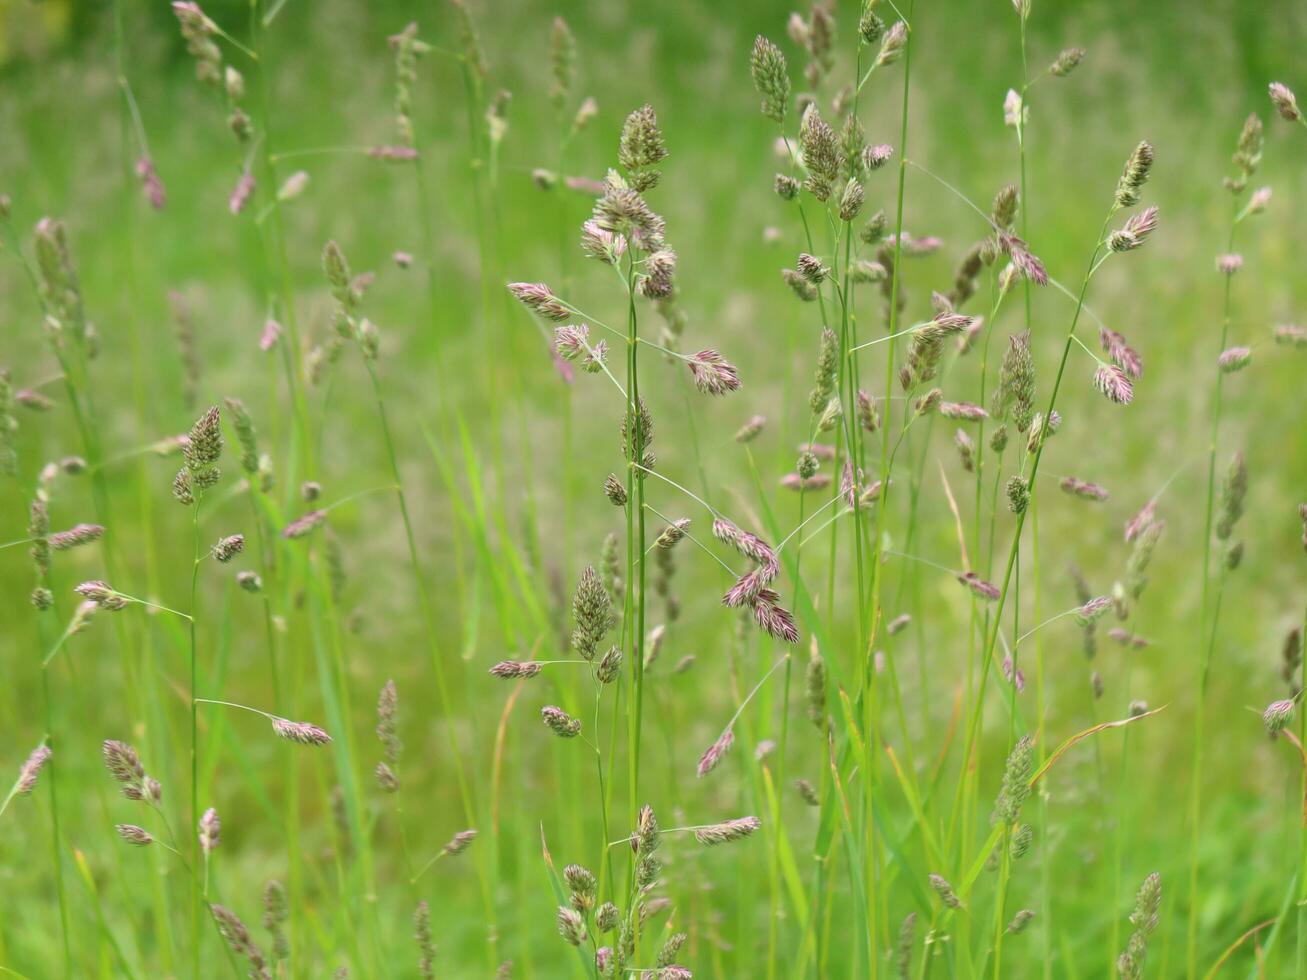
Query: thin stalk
(56, 838)
(433, 643)
(196, 898)
(1195, 787)
(1014, 549)
(870, 721)
(1302, 836)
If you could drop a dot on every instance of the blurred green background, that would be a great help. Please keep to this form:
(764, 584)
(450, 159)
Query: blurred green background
(1183, 76)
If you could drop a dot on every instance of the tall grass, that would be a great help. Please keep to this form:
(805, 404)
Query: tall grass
(662, 691)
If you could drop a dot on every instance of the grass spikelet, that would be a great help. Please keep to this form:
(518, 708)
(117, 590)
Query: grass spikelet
(426, 945)
(715, 753)
(302, 732)
(31, 770)
(771, 78)
(945, 891)
(132, 834)
(560, 722)
(238, 938)
(727, 831)
(1144, 918)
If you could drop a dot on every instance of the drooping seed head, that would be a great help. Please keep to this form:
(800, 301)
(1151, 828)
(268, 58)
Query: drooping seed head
(1020, 921)
(715, 752)
(133, 834)
(249, 581)
(962, 411)
(712, 373)
(1093, 610)
(560, 722)
(75, 537)
(1066, 62)
(459, 842)
(122, 761)
(228, 548)
(515, 668)
(1134, 233)
(750, 429)
(891, 48)
(300, 731)
(1114, 384)
(237, 936)
(1286, 104)
(1082, 489)
(727, 831)
(102, 595)
(979, 587)
(538, 298)
(304, 525)
(1234, 359)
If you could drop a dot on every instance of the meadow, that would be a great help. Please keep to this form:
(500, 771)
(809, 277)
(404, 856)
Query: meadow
(561, 489)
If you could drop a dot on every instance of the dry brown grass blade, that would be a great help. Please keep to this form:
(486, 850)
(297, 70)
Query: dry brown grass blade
(957, 517)
(954, 718)
(501, 734)
(1302, 757)
(1234, 946)
(1062, 749)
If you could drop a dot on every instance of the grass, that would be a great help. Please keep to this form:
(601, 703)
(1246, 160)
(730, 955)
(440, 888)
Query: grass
(420, 492)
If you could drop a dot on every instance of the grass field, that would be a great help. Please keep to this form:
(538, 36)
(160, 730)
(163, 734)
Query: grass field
(915, 692)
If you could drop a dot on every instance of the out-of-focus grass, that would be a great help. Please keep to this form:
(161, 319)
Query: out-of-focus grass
(1182, 76)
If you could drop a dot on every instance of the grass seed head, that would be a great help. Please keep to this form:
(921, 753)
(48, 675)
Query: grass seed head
(807, 792)
(426, 945)
(31, 769)
(1067, 62)
(304, 525)
(641, 147)
(1277, 715)
(133, 834)
(210, 830)
(459, 842)
(1286, 104)
(1020, 921)
(1135, 175)
(75, 537)
(715, 753)
(571, 925)
(727, 831)
(945, 891)
(560, 722)
(771, 78)
(228, 548)
(300, 731)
